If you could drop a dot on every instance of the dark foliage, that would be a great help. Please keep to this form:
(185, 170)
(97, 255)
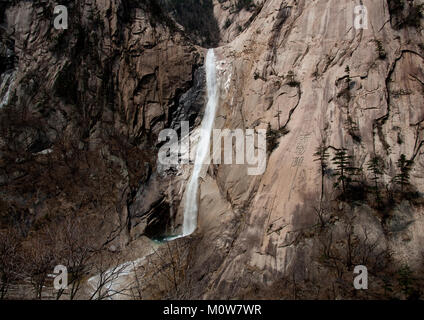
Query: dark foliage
(244, 4)
(196, 17)
(405, 14)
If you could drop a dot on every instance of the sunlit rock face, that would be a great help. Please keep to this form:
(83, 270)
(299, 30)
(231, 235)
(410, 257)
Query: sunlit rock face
(299, 69)
(264, 228)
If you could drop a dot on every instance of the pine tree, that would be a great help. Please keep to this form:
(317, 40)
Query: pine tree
(387, 286)
(342, 161)
(405, 167)
(405, 280)
(322, 156)
(375, 166)
(347, 70)
(291, 79)
(345, 171)
(272, 137)
(348, 79)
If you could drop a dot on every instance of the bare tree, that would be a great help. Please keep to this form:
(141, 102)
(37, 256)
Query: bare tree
(78, 241)
(40, 260)
(10, 259)
(106, 283)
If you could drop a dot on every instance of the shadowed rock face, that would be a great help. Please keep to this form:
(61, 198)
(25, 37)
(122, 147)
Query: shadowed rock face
(111, 81)
(126, 69)
(197, 19)
(191, 103)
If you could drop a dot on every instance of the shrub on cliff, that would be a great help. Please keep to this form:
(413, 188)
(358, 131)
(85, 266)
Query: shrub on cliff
(405, 16)
(244, 4)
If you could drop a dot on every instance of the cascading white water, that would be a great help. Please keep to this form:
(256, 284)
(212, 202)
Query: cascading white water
(203, 147)
(192, 191)
(5, 87)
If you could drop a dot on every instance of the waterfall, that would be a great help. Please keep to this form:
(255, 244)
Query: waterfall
(191, 206)
(117, 276)
(203, 147)
(5, 87)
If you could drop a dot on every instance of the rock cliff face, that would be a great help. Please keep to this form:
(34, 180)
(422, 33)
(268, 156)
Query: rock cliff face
(323, 90)
(361, 90)
(117, 74)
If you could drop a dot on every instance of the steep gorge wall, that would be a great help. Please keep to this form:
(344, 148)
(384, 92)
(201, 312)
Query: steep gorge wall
(106, 86)
(125, 69)
(258, 230)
